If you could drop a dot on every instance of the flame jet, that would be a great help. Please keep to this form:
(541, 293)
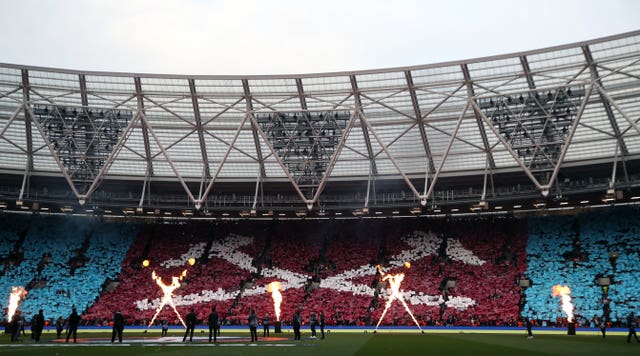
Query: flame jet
(17, 293)
(274, 288)
(563, 292)
(394, 283)
(168, 294)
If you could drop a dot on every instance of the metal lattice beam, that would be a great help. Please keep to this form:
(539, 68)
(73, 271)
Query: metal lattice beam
(483, 134)
(196, 114)
(365, 133)
(605, 103)
(256, 139)
(144, 128)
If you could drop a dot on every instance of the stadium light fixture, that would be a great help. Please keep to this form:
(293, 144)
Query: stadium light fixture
(244, 213)
(3, 204)
(482, 205)
(187, 212)
(301, 213)
(361, 212)
(67, 209)
(416, 211)
(610, 196)
(539, 205)
(128, 211)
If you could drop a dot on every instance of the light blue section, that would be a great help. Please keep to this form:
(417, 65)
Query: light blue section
(62, 237)
(617, 229)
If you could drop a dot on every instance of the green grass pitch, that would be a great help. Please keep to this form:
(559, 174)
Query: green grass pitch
(387, 343)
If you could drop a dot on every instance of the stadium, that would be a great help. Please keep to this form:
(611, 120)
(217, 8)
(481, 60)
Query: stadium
(432, 206)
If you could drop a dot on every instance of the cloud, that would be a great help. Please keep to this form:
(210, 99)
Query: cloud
(268, 37)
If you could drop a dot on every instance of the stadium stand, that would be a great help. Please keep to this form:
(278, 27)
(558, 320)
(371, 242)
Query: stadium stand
(577, 251)
(462, 272)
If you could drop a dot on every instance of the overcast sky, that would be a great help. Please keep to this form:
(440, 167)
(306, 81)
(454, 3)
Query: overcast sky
(298, 36)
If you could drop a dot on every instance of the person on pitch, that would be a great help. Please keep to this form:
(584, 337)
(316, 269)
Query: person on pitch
(214, 324)
(59, 326)
(266, 321)
(73, 321)
(296, 322)
(253, 325)
(118, 326)
(322, 323)
(191, 321)
(631, 324)
(165, 327)
(312, 322)
(602, 324)
(38, 325)
(529, 325)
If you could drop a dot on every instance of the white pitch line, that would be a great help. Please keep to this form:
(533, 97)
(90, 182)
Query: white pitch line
(155, 344)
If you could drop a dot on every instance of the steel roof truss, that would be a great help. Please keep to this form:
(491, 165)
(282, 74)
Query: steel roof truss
(567, 143)
(256, 139)
(334, 158)
(143, 125)
(8, 95)
(524, 62)
(116, 104)
(11, 119)
(481, 130)
(178, 116)
(196, 113)
(335, 105)
(358, 108)
(168, 159)
(446, 98)
(445, 155)
(203, 197)
(401, 135)
(257, 127)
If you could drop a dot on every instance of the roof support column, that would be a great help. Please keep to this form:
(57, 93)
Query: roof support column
(483, 134)
(196, 114)
(607, 108)
(365, 131)
(28, 118)
(145, 138)
(256, 138)
(431, 168)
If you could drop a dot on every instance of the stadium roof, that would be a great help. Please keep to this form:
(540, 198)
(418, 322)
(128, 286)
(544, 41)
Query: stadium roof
(528, 116)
